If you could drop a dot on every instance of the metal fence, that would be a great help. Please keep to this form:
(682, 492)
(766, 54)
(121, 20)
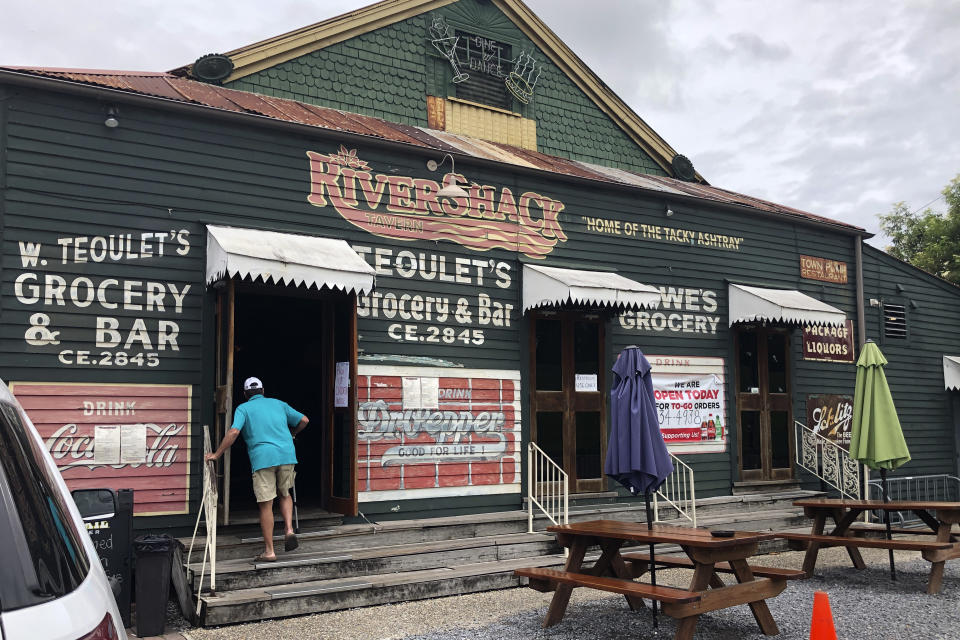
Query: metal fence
(936, 487)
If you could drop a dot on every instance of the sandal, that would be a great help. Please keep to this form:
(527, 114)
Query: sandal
(290, 542)
(263, 558)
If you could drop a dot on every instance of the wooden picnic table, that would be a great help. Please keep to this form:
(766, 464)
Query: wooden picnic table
(939, 517)
(707, 555)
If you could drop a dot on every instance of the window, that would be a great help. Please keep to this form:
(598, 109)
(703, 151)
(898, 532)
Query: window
(894, 321)
(35, 522)
(487, 63)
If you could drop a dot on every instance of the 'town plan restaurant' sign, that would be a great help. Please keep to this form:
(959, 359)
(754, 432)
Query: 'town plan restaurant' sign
(438, 267)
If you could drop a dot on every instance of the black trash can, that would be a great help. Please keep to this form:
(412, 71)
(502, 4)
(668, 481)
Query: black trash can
(153, 554)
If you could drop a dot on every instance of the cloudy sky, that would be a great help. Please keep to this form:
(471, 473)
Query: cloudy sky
(838, 108)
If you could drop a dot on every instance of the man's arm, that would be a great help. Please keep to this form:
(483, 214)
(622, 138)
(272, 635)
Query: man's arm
(228, 441)
(304, 421)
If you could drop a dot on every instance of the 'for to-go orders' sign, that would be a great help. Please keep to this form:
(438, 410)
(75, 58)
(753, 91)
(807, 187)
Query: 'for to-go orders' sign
(689, 392)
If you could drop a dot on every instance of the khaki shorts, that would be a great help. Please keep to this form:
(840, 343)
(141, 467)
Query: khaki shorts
(269, 482)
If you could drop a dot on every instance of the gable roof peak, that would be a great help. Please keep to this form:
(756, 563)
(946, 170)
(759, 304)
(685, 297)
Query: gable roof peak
(268, 53)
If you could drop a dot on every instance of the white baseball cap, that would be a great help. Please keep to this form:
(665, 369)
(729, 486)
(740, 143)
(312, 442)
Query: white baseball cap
(252, 383)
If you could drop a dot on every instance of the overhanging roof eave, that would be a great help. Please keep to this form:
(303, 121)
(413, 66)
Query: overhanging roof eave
(83, 89)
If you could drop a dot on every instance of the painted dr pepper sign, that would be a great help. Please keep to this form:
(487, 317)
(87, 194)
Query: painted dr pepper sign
(117, 436)
(406, 208)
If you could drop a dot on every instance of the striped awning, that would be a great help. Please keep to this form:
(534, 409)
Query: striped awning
(545, 286)
(951, 372)
(286, 259)
(753, 304)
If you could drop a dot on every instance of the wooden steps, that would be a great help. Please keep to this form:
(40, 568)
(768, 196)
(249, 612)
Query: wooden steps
(310, 566)
(342, 593)
(353, 565)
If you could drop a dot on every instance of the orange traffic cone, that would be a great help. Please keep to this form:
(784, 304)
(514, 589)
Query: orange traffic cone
(821, 627)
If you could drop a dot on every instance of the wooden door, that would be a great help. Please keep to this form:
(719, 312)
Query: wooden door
(223, 394)
(340, 346)
(764, 407)
(567, 423)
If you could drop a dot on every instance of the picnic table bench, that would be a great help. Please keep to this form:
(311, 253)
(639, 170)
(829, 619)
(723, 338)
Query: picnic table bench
(845, 512)
(707, 555)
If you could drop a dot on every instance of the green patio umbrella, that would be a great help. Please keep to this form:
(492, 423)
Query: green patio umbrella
(876, 438)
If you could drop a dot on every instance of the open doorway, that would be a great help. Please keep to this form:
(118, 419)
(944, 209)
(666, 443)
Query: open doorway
(279, 340)
(292, 339)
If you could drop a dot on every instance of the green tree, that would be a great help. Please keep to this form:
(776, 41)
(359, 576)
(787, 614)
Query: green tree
(928, 239)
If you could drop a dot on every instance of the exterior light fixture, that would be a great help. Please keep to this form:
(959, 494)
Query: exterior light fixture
(452, 190)
(112, 122)
(669, 212)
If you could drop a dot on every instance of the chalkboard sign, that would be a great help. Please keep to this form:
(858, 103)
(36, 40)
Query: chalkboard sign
(108, 517)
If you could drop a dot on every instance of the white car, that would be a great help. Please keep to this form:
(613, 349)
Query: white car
(52, 586)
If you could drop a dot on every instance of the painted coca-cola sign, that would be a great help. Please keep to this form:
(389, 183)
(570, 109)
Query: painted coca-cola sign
(117, 436)
(407, 208)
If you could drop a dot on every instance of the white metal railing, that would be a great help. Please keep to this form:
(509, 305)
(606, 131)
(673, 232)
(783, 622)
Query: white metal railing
(547, 487)
(678, 491)
(208, 511)
(938, 487)
(827, 460)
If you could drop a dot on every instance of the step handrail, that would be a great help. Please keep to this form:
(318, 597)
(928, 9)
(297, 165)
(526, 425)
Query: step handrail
(827, 460)
(547, 487)
(208, 512)
(678, 491)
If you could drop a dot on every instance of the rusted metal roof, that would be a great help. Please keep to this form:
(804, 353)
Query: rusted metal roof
(184, 90)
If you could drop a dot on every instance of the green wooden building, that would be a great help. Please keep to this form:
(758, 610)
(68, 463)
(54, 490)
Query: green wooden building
(430, 227)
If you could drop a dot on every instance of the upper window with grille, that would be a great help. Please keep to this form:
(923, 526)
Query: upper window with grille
(486, 64)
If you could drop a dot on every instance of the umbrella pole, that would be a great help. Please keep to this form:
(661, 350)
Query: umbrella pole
(653, 559)
(886, 519)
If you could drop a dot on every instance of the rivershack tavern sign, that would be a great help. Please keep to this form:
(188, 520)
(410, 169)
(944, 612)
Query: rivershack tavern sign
(406, 208)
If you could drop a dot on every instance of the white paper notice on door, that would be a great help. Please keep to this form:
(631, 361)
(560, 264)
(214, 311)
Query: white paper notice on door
(106, 444)
(585, 382)
(429, 393)
(341, 385)
(411, 393)
(133, 443)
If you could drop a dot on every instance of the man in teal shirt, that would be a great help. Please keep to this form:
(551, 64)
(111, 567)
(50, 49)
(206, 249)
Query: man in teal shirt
(266, 425)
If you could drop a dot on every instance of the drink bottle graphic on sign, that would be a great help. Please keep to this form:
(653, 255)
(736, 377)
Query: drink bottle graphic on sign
(703, 430)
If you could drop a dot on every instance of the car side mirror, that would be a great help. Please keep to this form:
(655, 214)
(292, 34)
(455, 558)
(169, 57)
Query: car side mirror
(95, 504)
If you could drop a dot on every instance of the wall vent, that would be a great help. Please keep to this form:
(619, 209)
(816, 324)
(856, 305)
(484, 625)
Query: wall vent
(894, 321)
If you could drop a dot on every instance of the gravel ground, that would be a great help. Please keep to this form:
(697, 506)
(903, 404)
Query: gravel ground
(865, 604)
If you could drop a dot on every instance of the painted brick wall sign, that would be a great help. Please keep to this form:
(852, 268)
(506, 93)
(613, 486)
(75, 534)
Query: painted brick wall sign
(690, 393)
(828, 343)
(465, 440)
(822, 269)
(831, 416)
(144, 429)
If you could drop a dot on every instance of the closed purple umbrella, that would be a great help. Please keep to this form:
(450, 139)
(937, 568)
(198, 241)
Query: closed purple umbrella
(637, 457)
